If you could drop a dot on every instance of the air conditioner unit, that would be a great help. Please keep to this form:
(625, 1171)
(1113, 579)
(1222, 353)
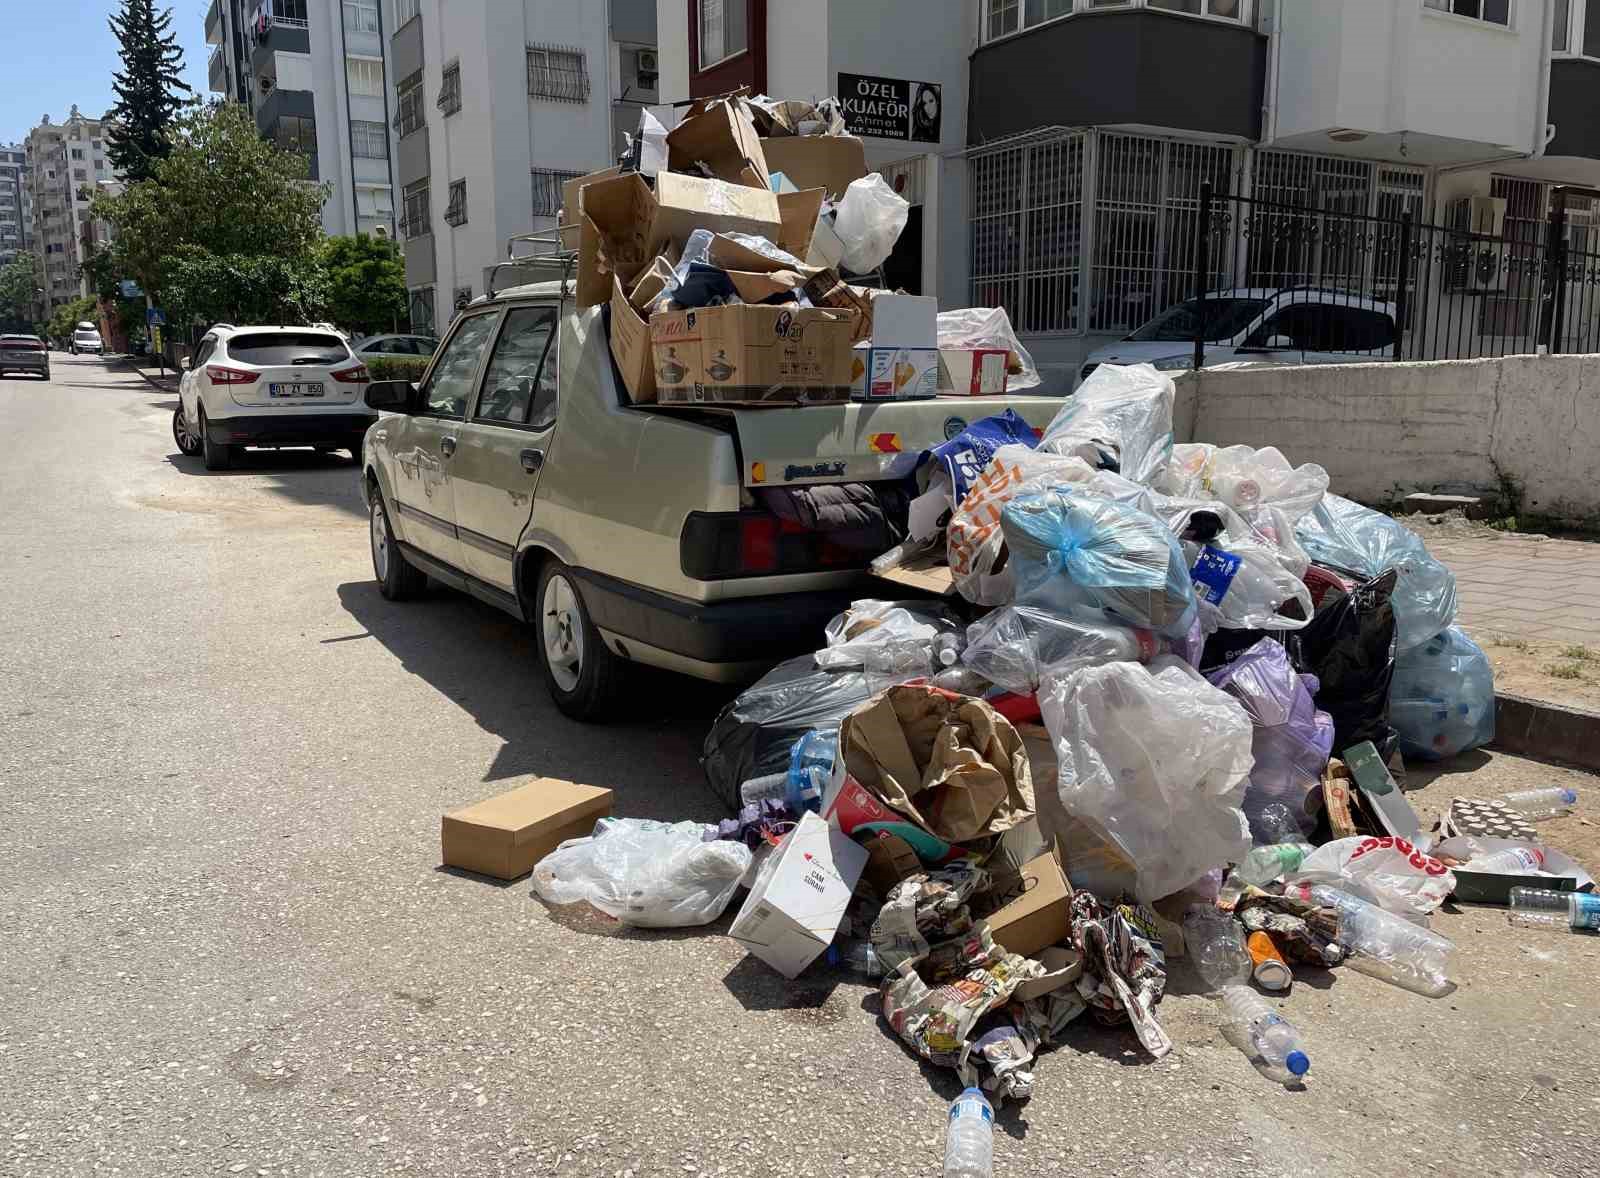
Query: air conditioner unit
(647, 68)
(1478, 249)
(648, 63)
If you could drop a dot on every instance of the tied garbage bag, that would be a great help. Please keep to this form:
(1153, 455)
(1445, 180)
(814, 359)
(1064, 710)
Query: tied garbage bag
(1442, 699)
(987, 327)
(1234, 568)
(885, 638)
(964, 457)
(1014, 646)
(645, 873)
(1157, 760)
(1290, 739)
(869, 221)
(1071, 553)
(1244, 478)
(1354, 539)
(1119, 419)
(1349, 646)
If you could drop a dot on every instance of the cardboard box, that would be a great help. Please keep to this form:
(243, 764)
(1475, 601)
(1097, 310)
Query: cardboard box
(972, 372)
(723, 138)
(800, 895)
(652, 280)
(829, 162)
(896, 374)
(1039, 915)
(826, 289)
(1063, 965)
(630, 347)
(929, 574)
(752, 355)
(905, 321)
(827, 247)
(571, 219)
(799, 213)
(506, 835)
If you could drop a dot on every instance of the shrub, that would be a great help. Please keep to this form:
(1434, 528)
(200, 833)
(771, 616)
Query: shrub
(394, 368)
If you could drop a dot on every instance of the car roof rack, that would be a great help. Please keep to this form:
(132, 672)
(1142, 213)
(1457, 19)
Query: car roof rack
(551, 261)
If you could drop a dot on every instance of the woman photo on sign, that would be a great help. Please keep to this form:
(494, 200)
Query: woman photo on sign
(925, 114)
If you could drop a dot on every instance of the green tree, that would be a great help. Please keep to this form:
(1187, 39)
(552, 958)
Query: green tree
(149, 88)
(366, 283)
(19, 283)
(69, 315)
(243, 288)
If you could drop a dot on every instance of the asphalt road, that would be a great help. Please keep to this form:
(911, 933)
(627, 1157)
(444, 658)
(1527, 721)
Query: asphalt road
(227, 947)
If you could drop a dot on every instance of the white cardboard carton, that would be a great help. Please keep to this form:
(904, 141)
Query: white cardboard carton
(896, 374)
(905, 321)
(793, 912)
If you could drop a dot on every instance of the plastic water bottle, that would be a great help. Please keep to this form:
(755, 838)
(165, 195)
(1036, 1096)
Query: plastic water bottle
(800, 786)
(1511, 861)
(969, 1142)
(1265, 864)
(947, 649)
(1271, 1035)
(1543, 908)
(1405, 954)
(857, 956)
(1216, 944)
(1534, 804)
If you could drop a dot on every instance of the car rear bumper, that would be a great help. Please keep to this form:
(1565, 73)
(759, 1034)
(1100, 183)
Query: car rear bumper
(301, 429)
(31, 364)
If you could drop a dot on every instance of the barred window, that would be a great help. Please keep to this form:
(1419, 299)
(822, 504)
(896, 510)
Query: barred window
(450, 90)
(417, 215)
(369, 140)
(409, 115)
(455, 212)
(557, 73)
(547, 184)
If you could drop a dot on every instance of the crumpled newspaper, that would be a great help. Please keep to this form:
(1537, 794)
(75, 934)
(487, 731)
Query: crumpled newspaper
(1124, 967)
(924, 909)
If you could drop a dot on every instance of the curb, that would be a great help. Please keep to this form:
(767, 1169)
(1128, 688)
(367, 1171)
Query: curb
(1546, 731)
(153, 382)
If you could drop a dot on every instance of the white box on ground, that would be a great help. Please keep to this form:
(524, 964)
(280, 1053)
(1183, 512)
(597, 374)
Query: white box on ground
(905, 321)
(793, 912)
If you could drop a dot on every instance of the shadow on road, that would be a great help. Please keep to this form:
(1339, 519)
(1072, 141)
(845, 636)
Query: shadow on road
(304, 476)
(487, 664)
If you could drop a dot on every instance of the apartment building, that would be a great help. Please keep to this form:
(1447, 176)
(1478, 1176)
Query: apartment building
(498, 103)
(66, 162)
(314, 75)
(1077, 134)
(15, 206)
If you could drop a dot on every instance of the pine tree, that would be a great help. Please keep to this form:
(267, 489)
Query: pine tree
(149, 90)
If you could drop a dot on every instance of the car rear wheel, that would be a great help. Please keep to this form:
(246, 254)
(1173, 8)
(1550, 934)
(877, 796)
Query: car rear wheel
(397, 578)
(583, 676)
(188, 441)
(217, 457)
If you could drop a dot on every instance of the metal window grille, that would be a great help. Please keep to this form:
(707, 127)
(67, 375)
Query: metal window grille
(416, 215)
(558, 73)
(409, 115)
(450, 90)
(455, 213)
(547, 184)
(1027, 226)
(369, 140)
(422, 309)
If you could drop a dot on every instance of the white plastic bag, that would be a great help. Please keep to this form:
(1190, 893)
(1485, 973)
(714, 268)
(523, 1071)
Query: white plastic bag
(645, 873)
(1015, 646)
(1244, 478)
(869, 221)
(1392, 871)
(1120, 418)
(987, 327)
(1234, 567)
(1156, 759)
(883, 638)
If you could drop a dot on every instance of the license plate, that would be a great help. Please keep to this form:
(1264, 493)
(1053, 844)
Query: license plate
(296, 388)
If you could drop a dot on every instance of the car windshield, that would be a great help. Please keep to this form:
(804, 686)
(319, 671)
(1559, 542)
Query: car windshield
(281, 347)
(1224, 318)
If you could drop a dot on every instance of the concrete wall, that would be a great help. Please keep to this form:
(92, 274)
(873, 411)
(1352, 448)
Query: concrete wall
(1382, 430)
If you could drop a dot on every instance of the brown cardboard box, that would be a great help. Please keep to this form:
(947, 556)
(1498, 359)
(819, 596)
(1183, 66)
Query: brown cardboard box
(825, 289)
(829, 162)
(506, 835)
(1041, 914)
(723, 139)
(799, 212)
(572, 207)
(655, 278)
(928, 573)
(752, 355)
(630, 347)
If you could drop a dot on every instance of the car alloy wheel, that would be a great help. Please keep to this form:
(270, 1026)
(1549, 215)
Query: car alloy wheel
(380, 540)
(561, 623)
(188, 441)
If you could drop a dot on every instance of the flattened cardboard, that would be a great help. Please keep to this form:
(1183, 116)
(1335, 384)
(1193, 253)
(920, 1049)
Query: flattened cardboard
(1040, 914)
(799, 213)
(723, 138)
(890, 859)
(571, 219)
(1063, 965)
(799, 897)
(630, 347)
(654, 279)
(504, 836)
(752, 355)
(929, 573)
(829, 162)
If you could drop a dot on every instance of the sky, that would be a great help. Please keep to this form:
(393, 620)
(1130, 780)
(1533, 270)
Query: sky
(58, 52)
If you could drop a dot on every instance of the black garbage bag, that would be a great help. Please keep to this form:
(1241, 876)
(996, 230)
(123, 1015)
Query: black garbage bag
(1349, 646)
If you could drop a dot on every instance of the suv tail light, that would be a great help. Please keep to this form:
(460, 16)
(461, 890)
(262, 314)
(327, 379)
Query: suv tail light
(356, 375)
(222, 374)
(717, 547)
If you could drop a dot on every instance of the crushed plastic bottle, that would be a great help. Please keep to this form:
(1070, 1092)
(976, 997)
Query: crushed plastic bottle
(1396, 950)
(969, 1141)
(1215, 942)
(1543, 908)
(801, 785)
(1263, 865)
(1534, 804)
(1272, 1036)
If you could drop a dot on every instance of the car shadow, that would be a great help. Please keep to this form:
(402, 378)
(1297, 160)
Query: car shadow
(487, 664)
(302, 476)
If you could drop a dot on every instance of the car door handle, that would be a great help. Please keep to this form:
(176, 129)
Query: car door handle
(447, 446)
(532, 460)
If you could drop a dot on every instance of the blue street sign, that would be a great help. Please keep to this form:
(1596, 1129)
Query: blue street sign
(155, 317)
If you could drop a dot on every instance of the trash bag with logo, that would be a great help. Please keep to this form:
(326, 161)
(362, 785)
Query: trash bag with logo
(1119, 419)
(1392, 872)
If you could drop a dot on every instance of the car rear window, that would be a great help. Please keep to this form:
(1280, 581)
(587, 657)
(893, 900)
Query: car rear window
(287, 348)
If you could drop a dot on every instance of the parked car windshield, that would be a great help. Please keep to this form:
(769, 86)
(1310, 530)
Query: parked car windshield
(288, 348)
(1224, 319)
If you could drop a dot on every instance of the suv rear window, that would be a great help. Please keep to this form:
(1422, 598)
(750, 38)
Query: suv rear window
(287, 348)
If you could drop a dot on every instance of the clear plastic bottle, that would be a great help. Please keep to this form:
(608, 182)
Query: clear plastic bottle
(1263, 865)
(857, 956)
(1511, 861)
(1405, 954)
(969, 1141)
(1543, 908)
(947, 649)
(800, 786)
(1215, 942)
(1271, 1035)
(1534, 804)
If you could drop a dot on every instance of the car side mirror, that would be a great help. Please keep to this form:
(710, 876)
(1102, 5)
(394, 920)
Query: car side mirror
(1280, 343)
(393, 395)
(184, 364)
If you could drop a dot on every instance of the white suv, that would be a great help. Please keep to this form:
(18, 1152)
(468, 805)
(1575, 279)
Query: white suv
(86, 338)
(270, 387)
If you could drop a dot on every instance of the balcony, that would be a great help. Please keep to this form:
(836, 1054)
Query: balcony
(283, 35)
(214, 23)
(217, 71)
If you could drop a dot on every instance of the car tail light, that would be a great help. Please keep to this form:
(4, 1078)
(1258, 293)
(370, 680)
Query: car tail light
(222, 374)
(356, 375)
(26, 345)
(716, 547)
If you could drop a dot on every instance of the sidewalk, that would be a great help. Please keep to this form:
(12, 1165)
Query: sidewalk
(1522, 587)
(146, 367)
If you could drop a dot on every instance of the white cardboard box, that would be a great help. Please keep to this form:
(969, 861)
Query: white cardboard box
(905, 321)
(793, 912)
(897, 374)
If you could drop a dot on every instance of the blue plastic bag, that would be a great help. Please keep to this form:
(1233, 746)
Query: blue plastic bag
(1074, 552)
(1442, 699)
(965, 455)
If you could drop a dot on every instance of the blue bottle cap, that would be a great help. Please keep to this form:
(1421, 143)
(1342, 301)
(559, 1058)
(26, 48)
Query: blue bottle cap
(1297, 1063)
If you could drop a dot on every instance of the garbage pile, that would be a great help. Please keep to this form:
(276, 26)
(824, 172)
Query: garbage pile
(743, 220)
